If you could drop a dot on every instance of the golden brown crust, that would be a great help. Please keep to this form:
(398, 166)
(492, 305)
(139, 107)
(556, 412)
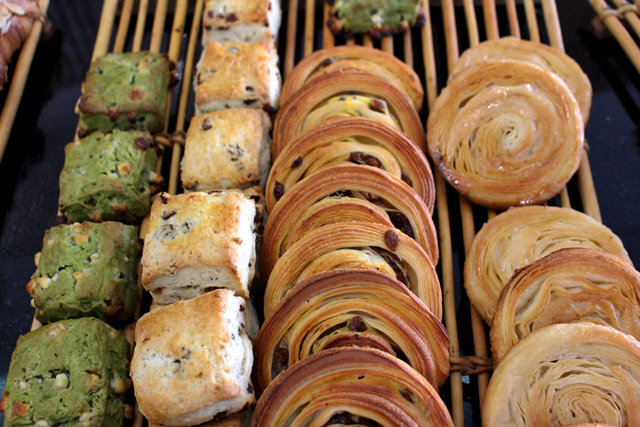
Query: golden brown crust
(334, 141)
(388, 196)
(354, 245)
(538, 54)
(506, 133)
(16, 21)
(239, 11)
(521, 236)
(566, 374)
(368, 59)
(567, 286)
(293, 117)
(361, 307)
(361, 382)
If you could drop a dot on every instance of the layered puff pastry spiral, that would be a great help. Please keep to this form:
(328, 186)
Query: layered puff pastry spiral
(544, 56)
(356, 245)
(351, 307)
(351, 140)
(345, 193)
(350, 386)
(520, 236)
(566, 374)
(368, 59)
(506, 133)
(345, 92)
(570, 285)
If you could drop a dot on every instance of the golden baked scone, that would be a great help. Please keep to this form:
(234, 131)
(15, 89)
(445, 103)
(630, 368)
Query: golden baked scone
(362, 308)
(520, 236)
(351, 140)
(506, 133)
(193, 359)
(342, 194)
(539, 54)
(345, 92)
(245, 21)
(351, 386)
(566, 374)
(567, 286)
(198, 242)
(368, 59)
(237, 75)
(356, 245)
(227, 149)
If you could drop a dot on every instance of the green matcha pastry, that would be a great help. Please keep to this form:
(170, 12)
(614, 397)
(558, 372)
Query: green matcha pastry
(107, 177)
(71, 373)
(376, 17)
(86, 270)
(125, 91)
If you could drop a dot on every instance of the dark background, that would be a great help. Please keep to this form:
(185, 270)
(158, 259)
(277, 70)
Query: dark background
(46, 121)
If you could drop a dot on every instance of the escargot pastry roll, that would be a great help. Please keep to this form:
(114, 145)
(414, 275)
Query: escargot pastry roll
(356, 245)
(520, 236)
(368, 59)
(536, 53)
(351, 140)
(347, 92)
(506, 133)
(345, 193)
(566, 374)
(352, 307)
(351, 386)
(570, 285)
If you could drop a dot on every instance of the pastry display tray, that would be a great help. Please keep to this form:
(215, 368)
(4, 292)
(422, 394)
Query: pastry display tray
(45, 122)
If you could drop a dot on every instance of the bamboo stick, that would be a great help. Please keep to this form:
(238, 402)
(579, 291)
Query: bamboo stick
(629, 12)
(408, 48)
(19, 80)
(367, 41)
(428, 54)
(472, 22)
(532, 20)
(189, 64)
(328, 40)
(451, 35)
(158, 25)
(109, 9)
(123, 26)
(140, 24)
(309, 26)
(490, 19)
(292, 24)
(565, 202)
(588, 189)
(351, 42)
(553, 24)
(512, 12)
(387, 44)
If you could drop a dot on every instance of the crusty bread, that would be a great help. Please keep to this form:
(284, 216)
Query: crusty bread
(237, 75)
(198, 242)
(241, 20)
(192, 362)
(227, 149)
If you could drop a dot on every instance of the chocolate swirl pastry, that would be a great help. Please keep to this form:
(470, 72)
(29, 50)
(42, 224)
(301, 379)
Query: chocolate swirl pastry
(506, 133)
(570, 285)
(345, 193)
(347, 92)
(350, 386)
(356, 245)
(352, 307)
(351, 140)
(538, 54)
(566, 374)
(368, 59)
(520, 236)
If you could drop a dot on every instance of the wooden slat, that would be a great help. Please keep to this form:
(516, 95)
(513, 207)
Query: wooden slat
(490, 19)
(140, 24)
(512, 12)
(532, 21)
(328, 40)
(472, 22)
(310, 16)
(123, 26)
(292, 24)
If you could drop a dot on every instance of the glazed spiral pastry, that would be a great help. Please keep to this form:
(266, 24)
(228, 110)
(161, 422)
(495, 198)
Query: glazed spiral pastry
(566, 374)
(352, 140)
(356, 245)
(570, 285)
(347, 92)
(520, 236)
(539, 54)
(367, 59)
(345, 193)
(362, 308)
(350, 386)
(506, 133)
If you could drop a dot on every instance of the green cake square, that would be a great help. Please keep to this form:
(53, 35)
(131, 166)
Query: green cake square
(125, 91)
(107, 177)
(376, 17)
(86, 270)
(71, 373)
